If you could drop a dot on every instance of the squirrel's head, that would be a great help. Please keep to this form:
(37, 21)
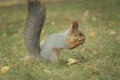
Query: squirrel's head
(76, 37)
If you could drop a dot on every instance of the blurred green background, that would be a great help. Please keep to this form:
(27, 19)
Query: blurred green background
(99, 57)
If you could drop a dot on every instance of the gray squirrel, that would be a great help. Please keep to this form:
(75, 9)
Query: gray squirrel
(50, 51)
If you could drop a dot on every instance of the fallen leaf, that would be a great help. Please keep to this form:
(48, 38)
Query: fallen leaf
(25, 59)
(4, 69)
(72, 61)
(92, 33)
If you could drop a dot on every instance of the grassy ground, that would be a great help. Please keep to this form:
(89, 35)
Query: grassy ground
(99, 57)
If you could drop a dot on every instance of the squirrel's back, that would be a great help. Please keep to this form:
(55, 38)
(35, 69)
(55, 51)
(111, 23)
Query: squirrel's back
(34, 25)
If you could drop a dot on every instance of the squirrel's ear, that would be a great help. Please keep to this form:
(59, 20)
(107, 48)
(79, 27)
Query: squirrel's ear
(74, 27)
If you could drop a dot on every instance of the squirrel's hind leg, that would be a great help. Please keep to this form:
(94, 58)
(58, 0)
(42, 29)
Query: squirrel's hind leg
(55, 56)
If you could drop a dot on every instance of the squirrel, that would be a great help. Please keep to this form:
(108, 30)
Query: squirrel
(50, 51)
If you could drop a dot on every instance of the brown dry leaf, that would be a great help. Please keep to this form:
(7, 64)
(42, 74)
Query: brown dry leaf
(72, 61)
(91, 33)
(25, 59)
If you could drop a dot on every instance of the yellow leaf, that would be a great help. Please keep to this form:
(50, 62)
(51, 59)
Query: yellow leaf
(72, 61)
(92, 33)
(4, 69)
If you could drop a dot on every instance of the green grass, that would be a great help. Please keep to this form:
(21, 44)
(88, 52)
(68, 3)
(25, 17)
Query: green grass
(99, 57)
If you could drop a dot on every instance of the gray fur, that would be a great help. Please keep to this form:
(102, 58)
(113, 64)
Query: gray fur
(54, 41)
(34, 25)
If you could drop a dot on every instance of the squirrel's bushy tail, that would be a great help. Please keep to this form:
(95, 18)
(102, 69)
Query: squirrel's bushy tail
(34, 25)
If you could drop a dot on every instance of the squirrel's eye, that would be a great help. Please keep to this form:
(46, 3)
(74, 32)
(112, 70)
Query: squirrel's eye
(80, 34)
